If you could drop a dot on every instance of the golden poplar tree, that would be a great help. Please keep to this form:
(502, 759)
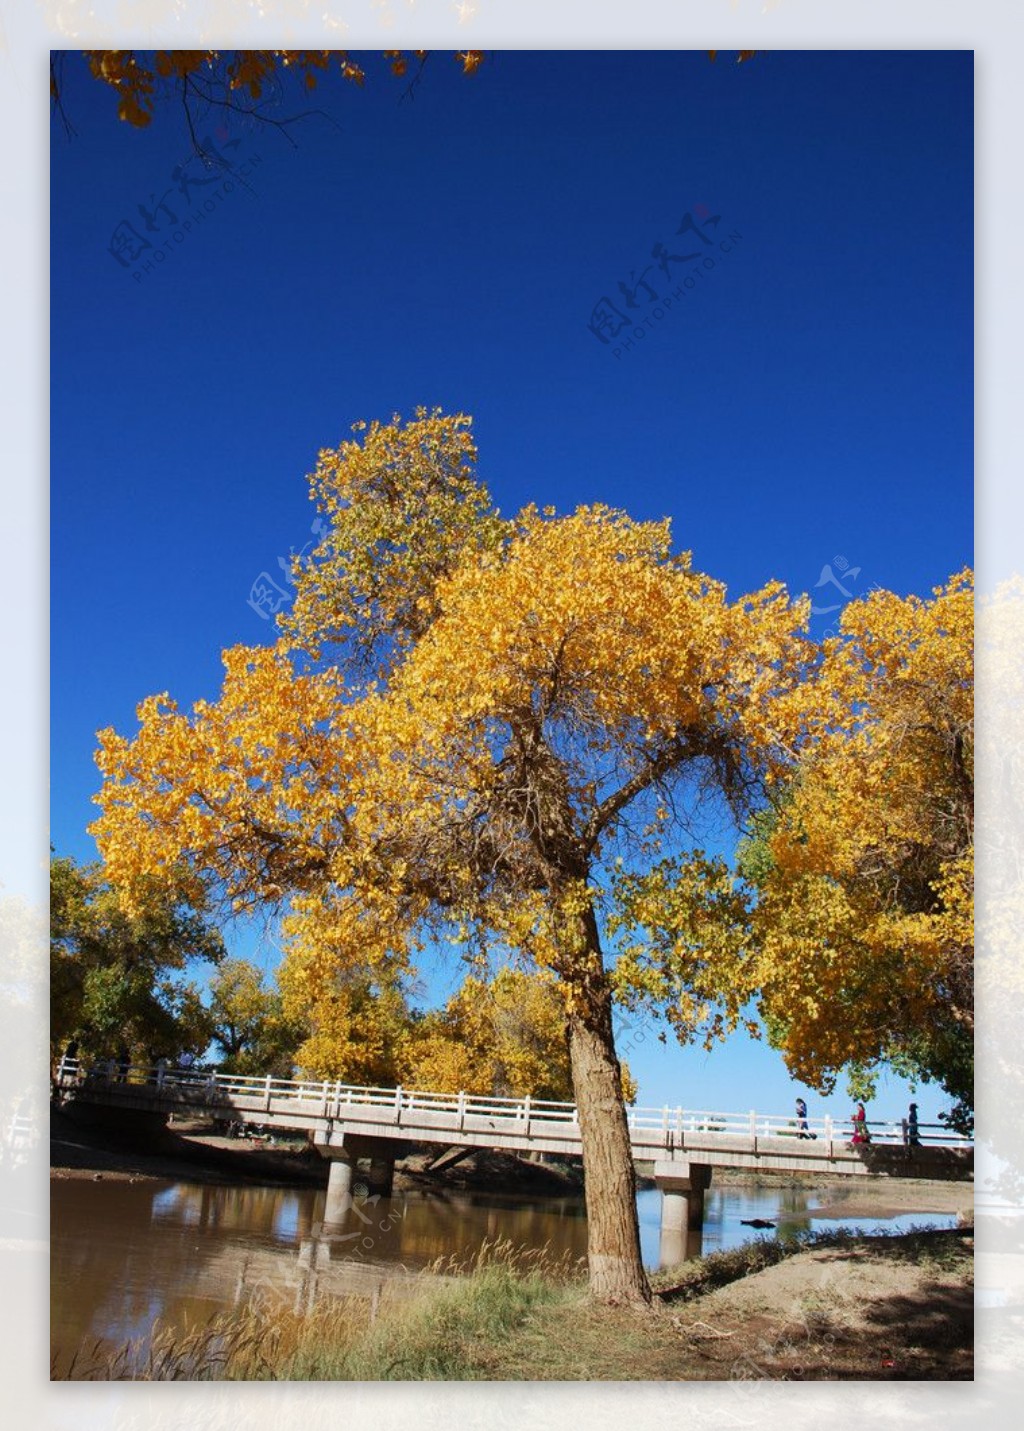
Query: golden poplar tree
(467, 721)
(862, 930)
(851, 929)
(504, 1037)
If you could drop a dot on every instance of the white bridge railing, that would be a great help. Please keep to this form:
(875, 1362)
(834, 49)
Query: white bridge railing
(275, 1096)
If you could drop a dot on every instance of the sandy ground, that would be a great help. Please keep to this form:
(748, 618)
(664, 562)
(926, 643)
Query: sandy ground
(874, 1309)
(862, 1312)
(889, 1197)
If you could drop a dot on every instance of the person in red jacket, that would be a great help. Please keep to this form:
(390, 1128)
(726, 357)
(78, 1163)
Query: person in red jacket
(860, 1127)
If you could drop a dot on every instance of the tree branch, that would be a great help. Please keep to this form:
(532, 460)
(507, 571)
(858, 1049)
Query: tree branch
(669, 756)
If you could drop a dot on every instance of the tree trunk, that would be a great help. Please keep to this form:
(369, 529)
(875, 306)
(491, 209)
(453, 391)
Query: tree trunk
(613, 1229)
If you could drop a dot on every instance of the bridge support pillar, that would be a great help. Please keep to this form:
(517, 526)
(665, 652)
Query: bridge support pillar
(381, 1176)
(678, 1245)
(339, 1188)
(682, 1208)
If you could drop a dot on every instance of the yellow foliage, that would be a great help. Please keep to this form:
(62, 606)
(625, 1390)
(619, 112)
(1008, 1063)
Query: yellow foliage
(505, 1038)
(683, 928)
(459, 714)
(244, 790)
(357, 1026)
(404, 509)
(864, 926)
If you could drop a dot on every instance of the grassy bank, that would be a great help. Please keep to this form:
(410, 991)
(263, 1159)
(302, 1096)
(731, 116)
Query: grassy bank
(828, 1306)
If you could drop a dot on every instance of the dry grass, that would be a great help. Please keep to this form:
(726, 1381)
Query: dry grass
(246, 1344)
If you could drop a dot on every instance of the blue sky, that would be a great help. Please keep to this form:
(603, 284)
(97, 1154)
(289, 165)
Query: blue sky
(808, 403)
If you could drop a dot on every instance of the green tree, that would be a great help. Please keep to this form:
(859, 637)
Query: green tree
(116, 977)
(248, 1022)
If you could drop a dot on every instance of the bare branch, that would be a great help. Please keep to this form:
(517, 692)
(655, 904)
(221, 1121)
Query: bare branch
(57, 92)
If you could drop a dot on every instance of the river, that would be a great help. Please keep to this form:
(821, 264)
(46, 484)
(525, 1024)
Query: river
(125, 1255)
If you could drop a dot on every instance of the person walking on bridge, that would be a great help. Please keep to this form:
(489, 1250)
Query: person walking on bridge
(803, 1129)
(913, 1132)
(861, 1135)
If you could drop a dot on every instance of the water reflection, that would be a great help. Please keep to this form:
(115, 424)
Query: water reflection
(124, 1255)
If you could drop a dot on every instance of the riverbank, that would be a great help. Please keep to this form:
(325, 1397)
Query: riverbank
(832, 1307)
(180, 1153)
(193, 1151)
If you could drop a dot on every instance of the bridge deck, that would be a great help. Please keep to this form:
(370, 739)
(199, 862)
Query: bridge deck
(333, 1112)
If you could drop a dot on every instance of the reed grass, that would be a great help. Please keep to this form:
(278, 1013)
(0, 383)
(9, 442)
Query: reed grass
(244, 1343)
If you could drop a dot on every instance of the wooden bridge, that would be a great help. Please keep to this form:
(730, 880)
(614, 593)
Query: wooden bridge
(348, 1123)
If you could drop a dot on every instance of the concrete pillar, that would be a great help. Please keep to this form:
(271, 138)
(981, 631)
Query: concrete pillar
(678, 1245)
(339, 1189)
(682, 1208)
(695, 1206)
(674, 1210)
(381, 1176)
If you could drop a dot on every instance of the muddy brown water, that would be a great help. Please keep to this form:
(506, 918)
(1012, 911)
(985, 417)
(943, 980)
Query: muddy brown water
(127, 1255)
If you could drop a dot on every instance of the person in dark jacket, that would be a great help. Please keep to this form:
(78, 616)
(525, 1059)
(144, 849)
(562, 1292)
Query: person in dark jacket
(913, 1132)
